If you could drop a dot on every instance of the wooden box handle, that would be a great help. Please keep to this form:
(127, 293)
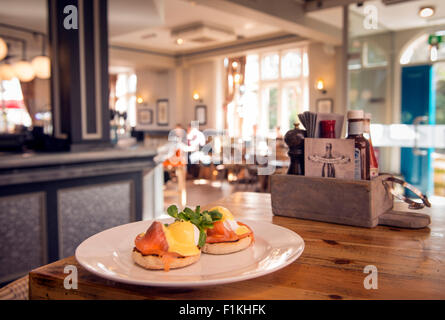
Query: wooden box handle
(404, 219)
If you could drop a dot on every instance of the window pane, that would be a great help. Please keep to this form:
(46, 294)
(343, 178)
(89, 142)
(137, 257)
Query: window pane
(270, 103)
(291, 106)
(291, 64)
(252, 69)
(269, 66)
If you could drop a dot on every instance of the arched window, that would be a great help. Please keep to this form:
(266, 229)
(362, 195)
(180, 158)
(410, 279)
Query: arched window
(420, 51)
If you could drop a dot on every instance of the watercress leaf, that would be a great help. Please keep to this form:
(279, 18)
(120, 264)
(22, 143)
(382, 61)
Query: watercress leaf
(206, 217)
(202, 238)
(183, 216)
(215, 215)
(173, 211)
(207, 225)
(189, 212)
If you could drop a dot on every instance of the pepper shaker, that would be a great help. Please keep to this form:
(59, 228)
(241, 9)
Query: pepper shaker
(295, 141)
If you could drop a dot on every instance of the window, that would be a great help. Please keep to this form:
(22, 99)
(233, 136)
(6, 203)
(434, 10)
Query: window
(275, 91)
(11, 102)
(126, 96)
(419, 50)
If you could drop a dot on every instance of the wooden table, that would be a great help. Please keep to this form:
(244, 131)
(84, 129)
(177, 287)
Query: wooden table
(410, 264)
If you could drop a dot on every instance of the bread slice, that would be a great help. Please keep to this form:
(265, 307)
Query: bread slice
(227, 247)
(154, 262)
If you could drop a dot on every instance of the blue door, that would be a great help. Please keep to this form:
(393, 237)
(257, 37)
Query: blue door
(418, 100)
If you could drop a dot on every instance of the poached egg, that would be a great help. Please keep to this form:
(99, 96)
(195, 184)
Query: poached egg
(182, 237)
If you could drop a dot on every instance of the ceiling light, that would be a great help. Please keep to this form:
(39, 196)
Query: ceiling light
(179, 41)
(234, 64)
(24, 71)
(42, 67)
(3, 49)
(426, 12)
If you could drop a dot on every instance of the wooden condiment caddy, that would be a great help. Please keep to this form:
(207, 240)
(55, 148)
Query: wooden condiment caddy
(362, 203)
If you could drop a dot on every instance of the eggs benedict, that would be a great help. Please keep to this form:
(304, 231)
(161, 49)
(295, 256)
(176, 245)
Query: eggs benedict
(167, 246)
(227, 235)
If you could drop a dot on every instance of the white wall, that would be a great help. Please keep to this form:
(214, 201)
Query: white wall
(154, 85)
(203, 78)
(323, 65)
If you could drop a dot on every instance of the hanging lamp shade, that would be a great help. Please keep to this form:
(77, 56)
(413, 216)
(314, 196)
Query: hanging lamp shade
(24, 71)
(7, 72)
(3, 49)
(42, 67)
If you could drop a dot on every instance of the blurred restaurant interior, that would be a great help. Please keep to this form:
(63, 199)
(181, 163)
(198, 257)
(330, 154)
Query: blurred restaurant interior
(88, 106)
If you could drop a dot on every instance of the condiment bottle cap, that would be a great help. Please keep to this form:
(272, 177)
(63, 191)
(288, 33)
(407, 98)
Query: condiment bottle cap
(368, 116)
(356, 114)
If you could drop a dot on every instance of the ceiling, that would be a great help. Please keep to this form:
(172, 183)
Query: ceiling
(178, 13)
(145, 24)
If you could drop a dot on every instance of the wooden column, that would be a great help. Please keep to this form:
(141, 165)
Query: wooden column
(78, 35)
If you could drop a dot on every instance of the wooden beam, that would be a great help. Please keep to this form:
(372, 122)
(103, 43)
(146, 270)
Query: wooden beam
(316, 5)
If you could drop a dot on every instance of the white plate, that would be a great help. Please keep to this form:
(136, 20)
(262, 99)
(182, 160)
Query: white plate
(108, 255)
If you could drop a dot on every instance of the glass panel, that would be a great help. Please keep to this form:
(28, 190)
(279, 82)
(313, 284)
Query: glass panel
(373, 53)
(269, 66)
(439, 72)
(290, 106)
(367, 91)
(270, 103)
(252, 69)
(291, 64)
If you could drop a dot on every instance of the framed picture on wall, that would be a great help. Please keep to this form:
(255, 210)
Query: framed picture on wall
(201, 114)
(325, 105)
(162, 112)
(144, 116)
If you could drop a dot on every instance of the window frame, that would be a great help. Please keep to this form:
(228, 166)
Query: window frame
(281, 83)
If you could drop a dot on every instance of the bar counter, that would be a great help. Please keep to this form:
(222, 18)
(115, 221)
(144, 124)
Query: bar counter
(410, 264)
(52, 201)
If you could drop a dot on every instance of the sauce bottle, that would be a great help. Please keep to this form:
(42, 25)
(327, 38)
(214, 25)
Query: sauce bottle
(373, 163)
(361, 151)
(327, 129)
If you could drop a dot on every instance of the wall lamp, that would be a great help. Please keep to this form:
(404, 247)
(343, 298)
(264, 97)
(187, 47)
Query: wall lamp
(196, 96)
(320, 86)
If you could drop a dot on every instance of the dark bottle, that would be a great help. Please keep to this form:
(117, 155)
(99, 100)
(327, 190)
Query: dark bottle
(295, 141)
(361, 152)
(373, 163)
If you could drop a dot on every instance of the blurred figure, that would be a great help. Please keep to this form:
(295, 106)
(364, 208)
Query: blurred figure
(279, 135)
(195, 140)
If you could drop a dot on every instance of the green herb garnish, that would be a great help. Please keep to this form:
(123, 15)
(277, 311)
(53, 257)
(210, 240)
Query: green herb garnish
(202, 220)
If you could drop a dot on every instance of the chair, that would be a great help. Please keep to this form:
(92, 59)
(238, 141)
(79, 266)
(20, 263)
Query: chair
(17, 290)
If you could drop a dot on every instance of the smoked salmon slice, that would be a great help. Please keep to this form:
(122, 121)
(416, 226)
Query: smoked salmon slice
(153, 241)
(219, 233)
